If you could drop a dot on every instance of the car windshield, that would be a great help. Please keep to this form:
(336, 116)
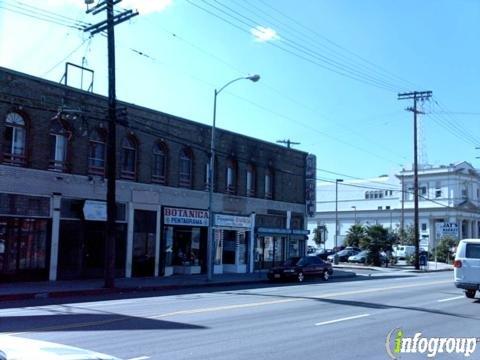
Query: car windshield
(291, 261)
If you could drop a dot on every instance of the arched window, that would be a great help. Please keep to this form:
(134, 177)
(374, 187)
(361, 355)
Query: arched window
(185, 166)
(129, 158)
(268, 184)
(250, 180)
(60, 135)
(96, 152)
(14, 148)
(159, 163)
(231, 177)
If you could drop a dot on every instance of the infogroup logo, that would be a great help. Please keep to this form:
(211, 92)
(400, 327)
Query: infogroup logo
(397, 343)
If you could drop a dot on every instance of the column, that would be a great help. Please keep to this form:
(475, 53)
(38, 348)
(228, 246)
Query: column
(157, 242)
(251, 247)
(129, 254)
(56, 204)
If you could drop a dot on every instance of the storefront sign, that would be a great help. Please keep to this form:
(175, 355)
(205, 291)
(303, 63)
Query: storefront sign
(95, 210)
(186, 217)
(310, 185)
(447, 229)
(233, 221)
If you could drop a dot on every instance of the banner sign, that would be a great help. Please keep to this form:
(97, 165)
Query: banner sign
(187, 217)
(233, 221)
(446, 229)
(95, 210)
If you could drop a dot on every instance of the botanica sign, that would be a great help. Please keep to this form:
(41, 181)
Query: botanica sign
(187, 217)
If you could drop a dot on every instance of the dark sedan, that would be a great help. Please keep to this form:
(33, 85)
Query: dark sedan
(297, 268)
(343, 255)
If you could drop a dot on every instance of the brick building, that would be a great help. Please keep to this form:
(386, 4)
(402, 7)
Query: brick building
(52, 190)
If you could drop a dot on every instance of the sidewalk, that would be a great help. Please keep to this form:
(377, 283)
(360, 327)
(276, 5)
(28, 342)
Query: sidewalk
(432, 267)
(60, 289)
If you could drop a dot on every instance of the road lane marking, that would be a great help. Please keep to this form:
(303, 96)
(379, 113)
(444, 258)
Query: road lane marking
(293, 299)
(450, 299)
(342, 319)
(140, 358)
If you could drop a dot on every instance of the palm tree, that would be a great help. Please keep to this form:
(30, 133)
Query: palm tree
(355, 235)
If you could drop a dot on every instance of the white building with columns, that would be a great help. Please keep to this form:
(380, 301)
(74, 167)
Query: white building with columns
(449, 201)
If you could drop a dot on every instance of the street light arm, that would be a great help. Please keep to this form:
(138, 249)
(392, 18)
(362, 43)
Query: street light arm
(253, 78)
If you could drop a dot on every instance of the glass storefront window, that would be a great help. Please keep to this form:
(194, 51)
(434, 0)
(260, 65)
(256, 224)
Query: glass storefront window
(293, 248)
(218, 247)
(186, 246)
(168, 245)
(242, 247)
(278, 257)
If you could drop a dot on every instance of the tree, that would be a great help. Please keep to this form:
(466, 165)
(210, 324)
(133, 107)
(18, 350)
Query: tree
(407, 235)
(444, 252)
(355, 235)
(377, 239)
(319, 234)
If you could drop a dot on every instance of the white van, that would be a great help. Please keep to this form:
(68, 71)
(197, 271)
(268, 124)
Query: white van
(401, 252)
(467, 266)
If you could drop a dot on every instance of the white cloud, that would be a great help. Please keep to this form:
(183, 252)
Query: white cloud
(263, 34)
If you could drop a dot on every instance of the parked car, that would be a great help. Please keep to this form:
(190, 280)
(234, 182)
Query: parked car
(323, 254)
(466, 267)
(359, 258)
(343, 255)
(298, 268)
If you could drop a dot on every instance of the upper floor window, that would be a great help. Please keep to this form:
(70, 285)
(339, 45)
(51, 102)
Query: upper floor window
(60, 134)
(268, 184)
(230, 178)
(250, 179)
(96, 153)
(159, 165)
(185, 166)
(129, 158)
(14, 148)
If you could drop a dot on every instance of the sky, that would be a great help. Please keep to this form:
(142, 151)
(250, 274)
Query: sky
(331, 70)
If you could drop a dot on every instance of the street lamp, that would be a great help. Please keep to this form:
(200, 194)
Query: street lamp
(211, 239)
(355, 213)
(335, 259)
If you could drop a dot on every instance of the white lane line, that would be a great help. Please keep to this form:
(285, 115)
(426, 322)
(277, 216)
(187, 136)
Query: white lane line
(140, 358)
(450, 299)
(342, 319)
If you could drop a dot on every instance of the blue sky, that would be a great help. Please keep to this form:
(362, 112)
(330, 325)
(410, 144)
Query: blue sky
(176, 52)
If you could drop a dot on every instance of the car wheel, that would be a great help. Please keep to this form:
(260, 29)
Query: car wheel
(326, 275)
(300, 277)
(470, 294)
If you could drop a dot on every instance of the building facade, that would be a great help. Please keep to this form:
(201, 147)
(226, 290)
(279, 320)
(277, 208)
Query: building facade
(449, 203)
(53, 189)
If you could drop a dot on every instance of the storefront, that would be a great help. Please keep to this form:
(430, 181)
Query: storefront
(81, 251)
(274, 246)
(232, 238)
(25, 228)
(184, 242)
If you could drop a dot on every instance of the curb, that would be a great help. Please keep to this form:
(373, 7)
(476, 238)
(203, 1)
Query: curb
(124, 290)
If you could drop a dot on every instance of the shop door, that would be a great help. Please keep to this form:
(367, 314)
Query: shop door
(24, 248)
(144, 231)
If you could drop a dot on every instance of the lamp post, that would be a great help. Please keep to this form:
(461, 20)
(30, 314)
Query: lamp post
(335, 259)
(211, 240)
(355, 214)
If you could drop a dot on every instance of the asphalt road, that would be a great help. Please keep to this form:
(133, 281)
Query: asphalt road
(315, 320)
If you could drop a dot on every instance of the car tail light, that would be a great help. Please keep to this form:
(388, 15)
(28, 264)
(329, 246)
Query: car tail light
(457, 263)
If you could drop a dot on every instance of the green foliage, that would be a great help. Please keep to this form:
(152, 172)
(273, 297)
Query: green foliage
(444, 253)
(377, 239)
(407, 235)
(320, 234)
(355, 235)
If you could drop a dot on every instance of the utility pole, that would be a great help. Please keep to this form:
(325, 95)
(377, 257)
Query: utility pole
(108, 25)
(416, 95)
(288, 142)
